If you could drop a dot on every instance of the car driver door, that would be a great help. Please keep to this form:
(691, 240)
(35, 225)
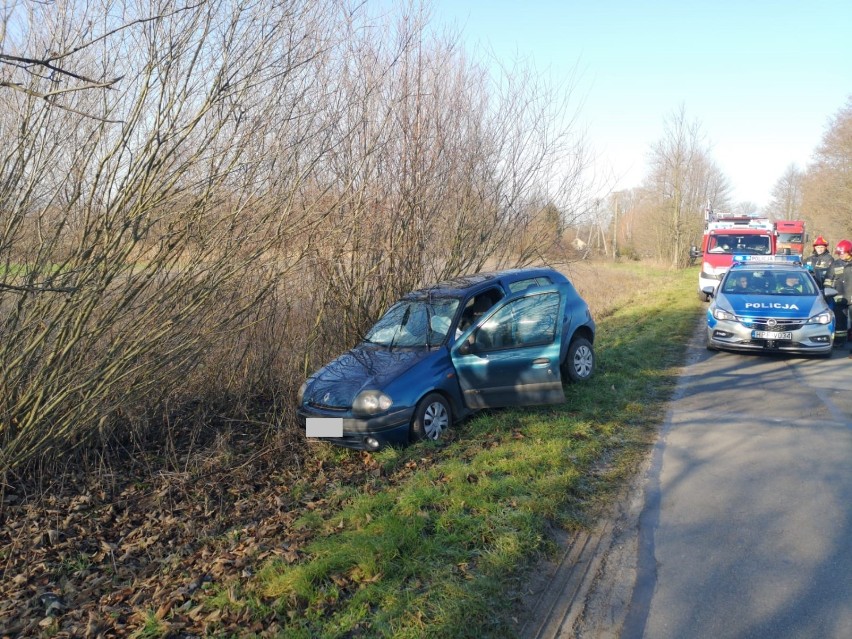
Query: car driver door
(510, 357)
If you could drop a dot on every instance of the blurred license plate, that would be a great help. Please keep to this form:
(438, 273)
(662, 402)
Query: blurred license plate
(770, 335)
(324, 427)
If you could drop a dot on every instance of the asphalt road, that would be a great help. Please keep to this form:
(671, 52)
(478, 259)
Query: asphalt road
(746, 507)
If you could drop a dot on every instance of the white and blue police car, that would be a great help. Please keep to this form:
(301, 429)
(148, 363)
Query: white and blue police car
(770, 303)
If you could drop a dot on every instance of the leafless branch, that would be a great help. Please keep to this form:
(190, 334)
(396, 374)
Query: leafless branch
(47, 64)
(38, 288)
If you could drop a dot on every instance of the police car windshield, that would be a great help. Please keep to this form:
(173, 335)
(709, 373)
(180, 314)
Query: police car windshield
(769, 282)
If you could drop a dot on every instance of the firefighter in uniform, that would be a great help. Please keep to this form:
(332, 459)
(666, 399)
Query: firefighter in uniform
(820, 260)
(840, 277)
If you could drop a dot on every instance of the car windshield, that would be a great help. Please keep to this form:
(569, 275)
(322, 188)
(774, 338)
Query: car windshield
(790, 238)
(742, 244)
(769, 283)
(414, 323)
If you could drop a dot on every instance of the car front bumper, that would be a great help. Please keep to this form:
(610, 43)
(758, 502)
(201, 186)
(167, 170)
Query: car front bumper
(365, 433)
(810, 339)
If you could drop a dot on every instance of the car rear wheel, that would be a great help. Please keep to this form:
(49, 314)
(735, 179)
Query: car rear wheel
(579, 364)
(431, 418)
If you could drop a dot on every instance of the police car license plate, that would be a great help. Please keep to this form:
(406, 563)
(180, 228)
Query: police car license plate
(770, 335)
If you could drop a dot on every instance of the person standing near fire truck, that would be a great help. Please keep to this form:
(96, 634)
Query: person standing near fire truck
(820, 260)
(840, 277)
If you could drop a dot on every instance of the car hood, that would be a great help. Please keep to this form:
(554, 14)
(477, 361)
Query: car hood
(338, 383)
(786, 307)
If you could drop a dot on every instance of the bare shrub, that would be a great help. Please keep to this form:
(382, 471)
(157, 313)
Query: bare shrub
(140, 223)
(445, 169)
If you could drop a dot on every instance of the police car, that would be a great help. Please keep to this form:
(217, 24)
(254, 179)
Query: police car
(769, 303)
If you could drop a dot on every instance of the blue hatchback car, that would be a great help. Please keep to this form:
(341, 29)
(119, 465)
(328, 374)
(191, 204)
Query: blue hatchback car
(479, 341)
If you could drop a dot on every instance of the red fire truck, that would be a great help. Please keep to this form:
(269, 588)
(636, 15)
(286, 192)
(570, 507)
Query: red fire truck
(726, 235)
(792, 237)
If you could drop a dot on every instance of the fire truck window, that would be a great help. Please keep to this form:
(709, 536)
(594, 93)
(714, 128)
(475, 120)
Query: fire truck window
(719, 245)
(758, 245)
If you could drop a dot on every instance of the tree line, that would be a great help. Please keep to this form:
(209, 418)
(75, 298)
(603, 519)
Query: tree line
(664, 216)
(821, 193)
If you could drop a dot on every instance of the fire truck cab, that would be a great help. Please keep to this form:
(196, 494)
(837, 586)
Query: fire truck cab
(792, 237)
(725, 235)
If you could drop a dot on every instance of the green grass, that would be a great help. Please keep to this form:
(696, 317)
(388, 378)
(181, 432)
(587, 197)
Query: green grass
(436, 552)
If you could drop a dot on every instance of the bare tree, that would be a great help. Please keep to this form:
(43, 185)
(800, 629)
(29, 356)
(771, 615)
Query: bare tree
(786, 202)
(682, 179)
(827, 188)
(745, 208)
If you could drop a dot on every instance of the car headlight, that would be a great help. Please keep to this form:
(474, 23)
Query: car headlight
(722, 314)
(370, 402)
(301, 394)
(822, 318)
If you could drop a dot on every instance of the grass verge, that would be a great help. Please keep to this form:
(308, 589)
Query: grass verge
(437, 549)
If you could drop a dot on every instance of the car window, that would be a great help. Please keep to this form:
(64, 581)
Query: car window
(441, 313)
(527, 321)
(476, 306)
(741, 283)
(521, 285)
(793, 283)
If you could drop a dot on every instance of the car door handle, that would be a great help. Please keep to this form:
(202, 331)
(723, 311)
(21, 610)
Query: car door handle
(541, 361)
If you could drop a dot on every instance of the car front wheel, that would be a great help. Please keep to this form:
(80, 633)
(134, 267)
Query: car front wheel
(579, 364)
(431, 418)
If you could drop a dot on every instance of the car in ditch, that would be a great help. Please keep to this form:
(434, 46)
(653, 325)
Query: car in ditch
(485, 340)
(770, 304)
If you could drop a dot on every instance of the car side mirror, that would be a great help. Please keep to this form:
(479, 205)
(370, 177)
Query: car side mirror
(829, 292)
(467, 346)
(709, 291)
(694, 252)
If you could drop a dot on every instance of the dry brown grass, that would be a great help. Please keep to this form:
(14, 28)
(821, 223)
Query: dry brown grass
(607, 286)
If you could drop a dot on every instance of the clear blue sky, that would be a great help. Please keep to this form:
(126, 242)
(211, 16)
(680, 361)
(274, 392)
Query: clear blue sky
(762, 78)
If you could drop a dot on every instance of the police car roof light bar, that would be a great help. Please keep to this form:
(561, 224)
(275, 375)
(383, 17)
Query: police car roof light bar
(740, 259)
